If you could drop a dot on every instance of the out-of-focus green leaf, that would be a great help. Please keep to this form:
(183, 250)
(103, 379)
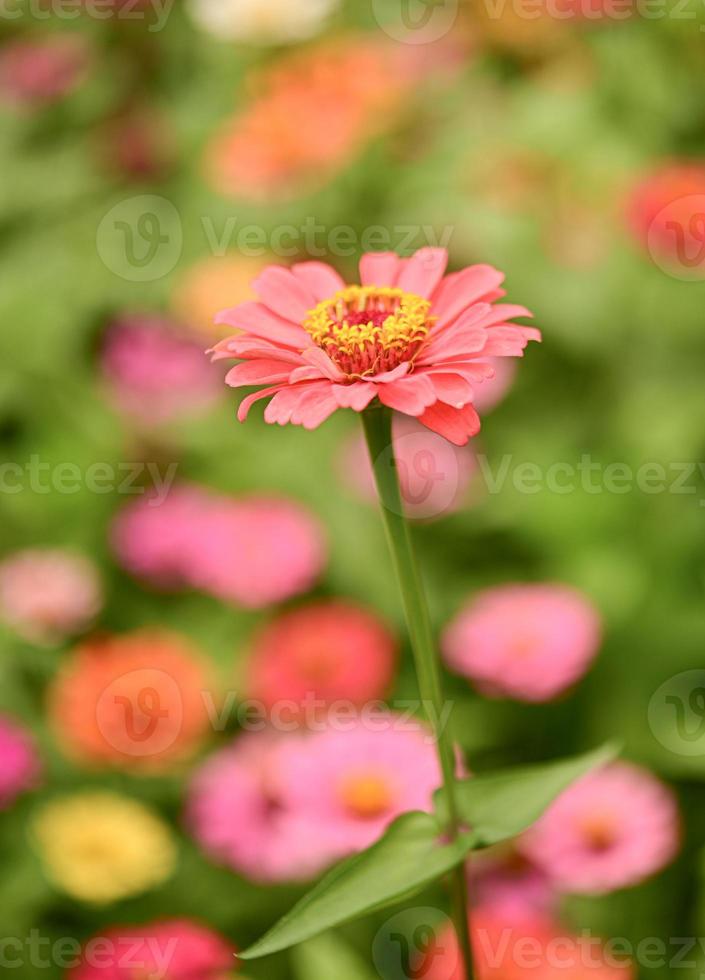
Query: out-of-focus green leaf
(411, 854)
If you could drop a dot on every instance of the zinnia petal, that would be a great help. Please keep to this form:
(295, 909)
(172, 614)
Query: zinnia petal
(457, 425)
(380, 269)
(410, 395)
(320, 279)
(462, 289)
(424, 271)
(284, 293)
(259, 321)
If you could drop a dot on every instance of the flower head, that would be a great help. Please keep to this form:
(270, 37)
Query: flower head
(48, 594)
(20, 767)
(238, 815)
(408, 336)
(102, 847)
(611, 829)
(155, 372)
(528, 642)
(40, 72)
(538, 948)
(665, 211)
(185, 949)
(267, 21)
(132, 701)
(350, 783)
(326, 651)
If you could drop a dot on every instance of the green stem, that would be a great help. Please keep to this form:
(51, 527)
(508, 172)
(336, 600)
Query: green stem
(377, 423)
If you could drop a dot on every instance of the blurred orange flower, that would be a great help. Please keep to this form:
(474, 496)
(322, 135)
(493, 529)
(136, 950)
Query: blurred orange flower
(210, 285)
(133, 701)
(313, 113)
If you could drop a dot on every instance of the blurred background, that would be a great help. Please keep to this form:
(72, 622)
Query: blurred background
(169, 577)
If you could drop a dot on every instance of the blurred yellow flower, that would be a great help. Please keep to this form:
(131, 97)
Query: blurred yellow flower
(212, 285)
(102, 847)
(266, 21)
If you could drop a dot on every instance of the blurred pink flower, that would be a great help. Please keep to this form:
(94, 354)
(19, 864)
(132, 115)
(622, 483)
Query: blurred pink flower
(20, 767)
(258, 551)
(410, 336)
(610, 830)
(39, 72)
(434, 475)
(509, 886)
(160, 541)
(47, 595)
(155, 371)
(178, 949)
(251, 551)
(528, 642)
(326, 651)
(665, 210)
(236, 812)
(350, 783)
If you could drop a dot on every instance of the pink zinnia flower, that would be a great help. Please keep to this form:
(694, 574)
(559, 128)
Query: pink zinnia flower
(414, 339)
(47, 595)
(611, 829)
(155, 371)
(251, 551)
(178, 949)
(326, 652)
(529, 642)
(19, 762)
(537, 948)
(39, 72)
(258, 551)
(349, 783)
(237, 813)
(434, 475)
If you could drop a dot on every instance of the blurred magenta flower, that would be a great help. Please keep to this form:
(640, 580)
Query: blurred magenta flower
(36, 72)
(265, 21)
(539, 948)
(410, 336)
(133, 701)
(236, 812)
(350, 781)
(47, 595)
(528, 642)
(611, 830)
(155, 371)
(323, 652)
(251, 551)
(20, 767)
(434, 475)
(507, 884)
(177, 949)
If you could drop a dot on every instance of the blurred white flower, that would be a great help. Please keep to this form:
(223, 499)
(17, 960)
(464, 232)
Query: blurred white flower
(267, 21)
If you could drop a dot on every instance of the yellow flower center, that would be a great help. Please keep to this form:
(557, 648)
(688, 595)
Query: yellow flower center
(366, 330)
(366, 795)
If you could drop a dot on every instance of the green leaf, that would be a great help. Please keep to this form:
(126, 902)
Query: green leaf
(328, 956)
(410, 855)
(502, 805)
